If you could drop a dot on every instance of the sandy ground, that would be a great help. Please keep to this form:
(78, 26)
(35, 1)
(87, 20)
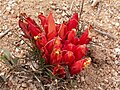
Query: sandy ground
(102, 74)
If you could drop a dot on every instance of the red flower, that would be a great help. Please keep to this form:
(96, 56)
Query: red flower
(43, 20)
(61, 31)
(56, 56)
(76, 67)
(40, 40)
(59, 71)
(69, 47)
(85, 39)
(23, 25)
(29, 26)
(80, 51)
(33, 27)
(59, 43)
(73, 22)
(68, 58)
(51, 27)
(71, 34)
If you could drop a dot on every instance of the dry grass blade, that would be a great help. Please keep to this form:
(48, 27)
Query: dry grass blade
(104, 33)
(81, 8)
(72, 5)
(2, 34)
(42, 87)
(95, 2)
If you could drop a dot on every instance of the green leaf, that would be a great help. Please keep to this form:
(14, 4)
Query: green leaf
(6, 54)
(15, 60)
(5, 60)
(49, 72)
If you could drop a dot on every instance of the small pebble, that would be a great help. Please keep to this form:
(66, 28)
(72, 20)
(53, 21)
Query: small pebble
(11, 2)
(58, 21)
(117, 50)
(58, 11)
(22, 42)
(12, 11)
(82, 79)
(17, 50)
(24, 85)
(8, 8)
(51, 2)
(53, 7)
(117, 24)
(64, 8)
(63, 14)
(75, 86)
(5, 27)
(4, 17)
(117, 62)
(41, 0)
(105, 80)
(100, 88)
(9, 33)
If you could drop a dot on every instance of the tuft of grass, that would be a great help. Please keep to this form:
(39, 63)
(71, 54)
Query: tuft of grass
(8, 59)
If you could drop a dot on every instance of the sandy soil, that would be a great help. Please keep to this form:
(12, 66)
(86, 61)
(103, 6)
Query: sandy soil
(102, 74)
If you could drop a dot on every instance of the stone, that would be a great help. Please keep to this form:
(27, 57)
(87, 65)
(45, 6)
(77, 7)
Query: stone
(64, 8)
(58, 11)
(63, 14)
(82, 79)
(8, 8)
(100, 88)
(53, 7)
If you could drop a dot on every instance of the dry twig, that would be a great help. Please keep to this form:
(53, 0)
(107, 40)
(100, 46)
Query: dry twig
(2, 34)
(81, 8)
(98, 29)
(95, 2)
(72, 5)
(104, 33)
(42, 87)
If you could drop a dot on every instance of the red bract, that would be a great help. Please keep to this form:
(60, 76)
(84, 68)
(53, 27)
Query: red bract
(69, 47)
(77, 66)
(80, 51)
(71, 35)
(85, 39)
(59, 43)
(33, 27)
(68, 58)
(24, 25)
(29, 27)
(59, 71)
(61, 31)
(56, 56)
(43, 20)
(73, 22)
(51, 27)
(40, 40)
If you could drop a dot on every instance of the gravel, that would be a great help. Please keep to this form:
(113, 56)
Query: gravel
(102, 74)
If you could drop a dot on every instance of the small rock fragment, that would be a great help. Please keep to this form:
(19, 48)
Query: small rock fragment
(41, 0)
(51, 2)
(82, 79)
(64, 8)
(8, 8)
(58, 11)
(53, 7)
(95, 2)
(2, 34)
(63, 14)
(24, 85)
(117, 50)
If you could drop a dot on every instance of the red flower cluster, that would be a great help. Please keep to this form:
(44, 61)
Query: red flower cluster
(58, 42)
